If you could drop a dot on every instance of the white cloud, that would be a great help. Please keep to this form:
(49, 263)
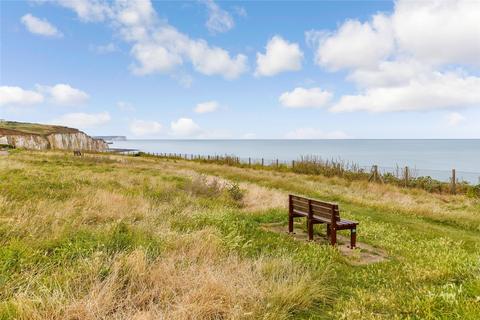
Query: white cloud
(404, 61)
(206, 107)
(104, 49)
(88, 10)
(64, 95)
(219, 20)
(312, 133)
(454, 119)
(185, 127)
(305, 98)
(83, 120)
(168, 48)
(439, 31)
(425, 92)
(184, 79)
(433, 32)
(280, 56)
(125, 106)
(389, 73)
(356, 44)
(40, 26)
(15, 96)
(158, 47)
(153, 58)
(215, 61)
(145, 128)
(240, 11)
(61, 94)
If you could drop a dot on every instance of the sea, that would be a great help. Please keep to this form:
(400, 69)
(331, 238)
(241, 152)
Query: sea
(435, 158)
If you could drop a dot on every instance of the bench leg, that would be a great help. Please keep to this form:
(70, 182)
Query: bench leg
(290, 223)
(353, 238)
(310, 229)
(333, 236)
(328, 231)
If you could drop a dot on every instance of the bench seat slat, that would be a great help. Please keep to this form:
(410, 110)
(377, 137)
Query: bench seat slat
(301, 208)
(346, 224)
(301, 212)
(322, 219)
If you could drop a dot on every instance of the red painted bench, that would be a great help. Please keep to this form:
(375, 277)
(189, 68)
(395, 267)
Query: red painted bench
(318, 212)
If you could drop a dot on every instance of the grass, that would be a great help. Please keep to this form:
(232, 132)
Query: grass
(314, 165)
(103, 236)
(21, 128)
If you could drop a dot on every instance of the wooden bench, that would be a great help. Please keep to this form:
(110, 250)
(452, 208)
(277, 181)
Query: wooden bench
(318, 212)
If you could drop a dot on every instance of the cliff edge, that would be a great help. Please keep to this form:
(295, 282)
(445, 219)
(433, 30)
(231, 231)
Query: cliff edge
(42, 137)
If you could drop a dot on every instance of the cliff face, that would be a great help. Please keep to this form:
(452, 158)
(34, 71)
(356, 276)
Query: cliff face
(71, 139)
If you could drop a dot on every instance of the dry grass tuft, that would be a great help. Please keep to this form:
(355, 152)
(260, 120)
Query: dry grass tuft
(258, 198)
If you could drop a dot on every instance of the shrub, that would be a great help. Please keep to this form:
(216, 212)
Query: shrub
(200, 186)
(427, 183)
(235, 192)
(329, 168)
(473, 191)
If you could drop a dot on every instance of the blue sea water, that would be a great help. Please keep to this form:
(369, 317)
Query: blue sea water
(435, 158)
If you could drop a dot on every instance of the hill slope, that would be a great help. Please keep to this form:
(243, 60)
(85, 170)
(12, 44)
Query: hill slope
(107, 236)
(24, 128)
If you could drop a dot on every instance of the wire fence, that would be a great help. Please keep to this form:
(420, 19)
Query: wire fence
(401, 173)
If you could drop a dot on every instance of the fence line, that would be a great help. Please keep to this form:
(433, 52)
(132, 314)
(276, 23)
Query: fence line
(377, 173)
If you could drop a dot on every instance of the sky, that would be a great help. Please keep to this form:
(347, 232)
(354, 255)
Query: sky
(244, 70)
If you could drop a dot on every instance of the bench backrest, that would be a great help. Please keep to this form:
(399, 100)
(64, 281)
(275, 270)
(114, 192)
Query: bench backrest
(314, 207)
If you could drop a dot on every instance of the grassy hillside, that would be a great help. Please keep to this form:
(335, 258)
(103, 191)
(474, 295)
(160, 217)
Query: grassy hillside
(103, 236)
(22, 128)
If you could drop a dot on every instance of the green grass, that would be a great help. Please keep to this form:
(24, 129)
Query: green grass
(124, 237)
(34, 128)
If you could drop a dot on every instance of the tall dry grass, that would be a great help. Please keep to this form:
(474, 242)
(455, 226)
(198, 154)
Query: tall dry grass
(103, 239)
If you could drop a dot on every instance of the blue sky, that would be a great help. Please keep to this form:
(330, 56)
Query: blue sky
(205, 69)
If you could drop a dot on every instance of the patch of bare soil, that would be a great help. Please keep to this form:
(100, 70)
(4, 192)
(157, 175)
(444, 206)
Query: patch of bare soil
(3, 153)
(363, 254)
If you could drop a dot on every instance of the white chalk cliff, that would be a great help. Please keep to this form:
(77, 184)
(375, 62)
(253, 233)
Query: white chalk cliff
(65, 139)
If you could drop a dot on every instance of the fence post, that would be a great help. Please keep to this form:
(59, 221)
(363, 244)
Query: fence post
(375, 173)
(406, 176)
(249, 161)
(293, 164)
(277, 163)
(454, 182)
(262, 162)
